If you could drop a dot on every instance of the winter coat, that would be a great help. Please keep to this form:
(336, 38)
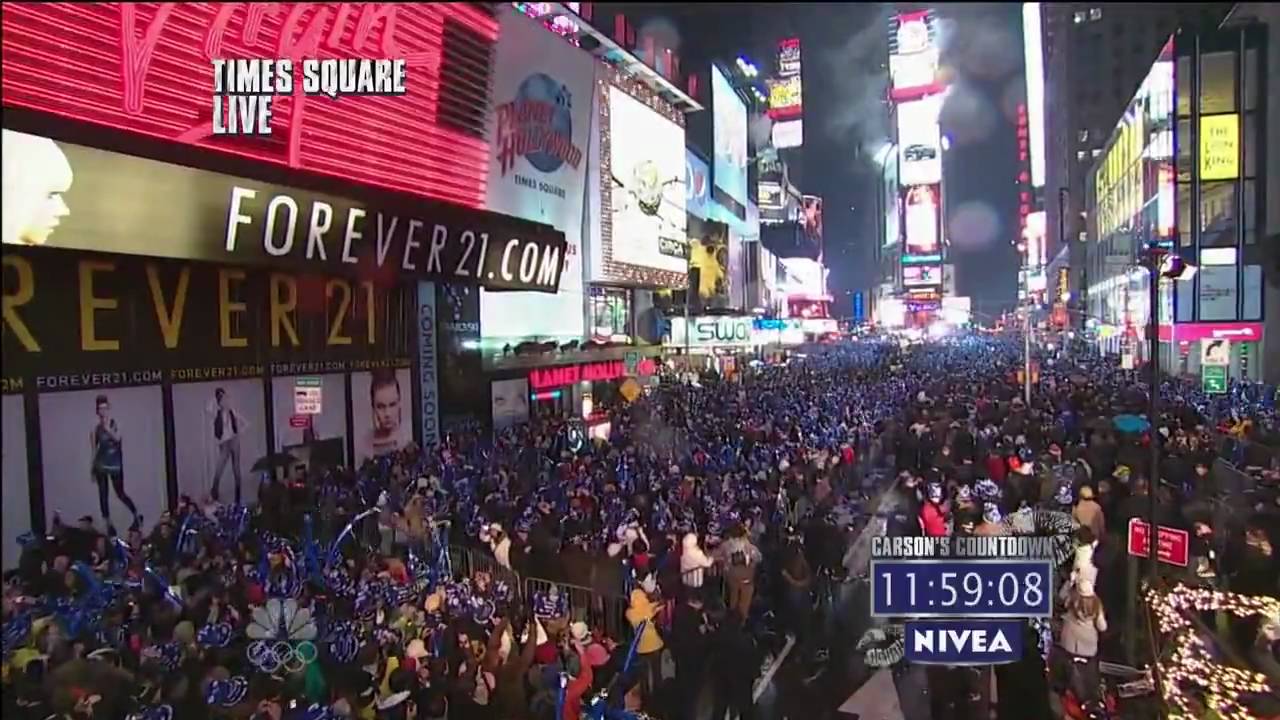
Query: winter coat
(642, 609)
(693, 562)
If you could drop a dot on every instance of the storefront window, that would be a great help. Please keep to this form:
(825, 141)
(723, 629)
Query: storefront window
(1218, 214)
(1218, 82)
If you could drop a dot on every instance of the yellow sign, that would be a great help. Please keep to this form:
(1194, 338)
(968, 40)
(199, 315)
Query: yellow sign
(1220, 147)
(630, 389)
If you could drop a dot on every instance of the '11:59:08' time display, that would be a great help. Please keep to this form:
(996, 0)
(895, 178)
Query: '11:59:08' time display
(961, 588)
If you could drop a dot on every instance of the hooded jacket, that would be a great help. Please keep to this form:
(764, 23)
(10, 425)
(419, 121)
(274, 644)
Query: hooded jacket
(693, 561)
(642, 609)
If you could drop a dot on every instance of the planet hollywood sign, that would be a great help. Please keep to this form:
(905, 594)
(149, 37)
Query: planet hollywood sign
(553, 377)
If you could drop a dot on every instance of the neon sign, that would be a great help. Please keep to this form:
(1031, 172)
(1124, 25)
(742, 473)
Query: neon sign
(146, 69)
(553, 377)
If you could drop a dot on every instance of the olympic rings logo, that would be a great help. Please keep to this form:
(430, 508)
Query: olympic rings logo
(270, 657)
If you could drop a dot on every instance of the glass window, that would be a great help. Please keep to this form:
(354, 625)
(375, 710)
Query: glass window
(1250, 202)
(1079, 17)
(1083, 135)
(1184, 214)
(1097, 152)
(1251, 144)
(1251, 71)
(1185, 144)
(1183, 73)
(1218, 214)
(1218, 82)
(1252, 291)
(1095, 13)
(1184, 296)
(1081, 154)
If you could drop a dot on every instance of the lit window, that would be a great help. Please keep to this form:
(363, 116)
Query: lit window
(1095, 13)
(1097, 152)
(1080, 16)
(1083, 135)
(1080, 155)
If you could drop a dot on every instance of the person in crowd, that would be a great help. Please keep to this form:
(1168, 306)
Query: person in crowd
(1089, 513)
(738, 559)
(1082, 625)
(693, 563)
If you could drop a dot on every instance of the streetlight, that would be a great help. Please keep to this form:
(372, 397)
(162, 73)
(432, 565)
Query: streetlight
(1160, 263)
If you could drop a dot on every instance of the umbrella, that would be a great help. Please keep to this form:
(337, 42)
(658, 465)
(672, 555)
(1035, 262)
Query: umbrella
(1130, 423)
(267, 463)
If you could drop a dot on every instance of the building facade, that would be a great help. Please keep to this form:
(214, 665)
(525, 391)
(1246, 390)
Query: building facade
(1182, 171)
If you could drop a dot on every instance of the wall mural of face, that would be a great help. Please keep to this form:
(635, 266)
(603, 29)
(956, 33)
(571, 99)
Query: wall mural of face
(36, 175)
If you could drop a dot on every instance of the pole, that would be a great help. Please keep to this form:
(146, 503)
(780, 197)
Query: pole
(1153, 477)
(1026, 356)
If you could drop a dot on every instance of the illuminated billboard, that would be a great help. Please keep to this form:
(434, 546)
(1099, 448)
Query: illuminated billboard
(921, 276)
(919, 142)
(729, 121)
(811, 220)
(648, 198)
(920, 218)
(785, 97)
(1033, 51)
(789, 57)
(788, 134)
(913, 57)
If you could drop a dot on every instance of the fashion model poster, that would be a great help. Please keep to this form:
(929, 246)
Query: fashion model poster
(219, 432)
(381, 412)
(13, 466)
(510, 402)
(330, 424)
(103, 455)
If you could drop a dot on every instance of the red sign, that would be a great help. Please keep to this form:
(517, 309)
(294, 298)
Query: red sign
(299, 421)
(586, 372)
(146, 68)
(1234, 331)
(1175, 545)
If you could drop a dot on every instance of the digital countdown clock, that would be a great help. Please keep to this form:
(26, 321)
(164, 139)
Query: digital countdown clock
(961, 588)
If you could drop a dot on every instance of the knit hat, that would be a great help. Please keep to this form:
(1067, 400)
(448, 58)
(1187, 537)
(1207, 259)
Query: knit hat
(579, 631)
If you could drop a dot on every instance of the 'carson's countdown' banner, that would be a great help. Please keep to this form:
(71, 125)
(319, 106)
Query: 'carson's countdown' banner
(62, 195)
(77, 320)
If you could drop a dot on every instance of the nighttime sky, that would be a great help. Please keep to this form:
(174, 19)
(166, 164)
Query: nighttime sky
(846, 121)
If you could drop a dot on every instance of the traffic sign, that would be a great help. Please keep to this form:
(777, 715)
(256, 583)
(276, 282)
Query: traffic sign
(1213, 379)
(1175, 544)
(631, 361)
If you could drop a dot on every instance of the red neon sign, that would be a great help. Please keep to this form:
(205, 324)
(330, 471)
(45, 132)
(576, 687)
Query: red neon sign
(146, 68)
(543, 378)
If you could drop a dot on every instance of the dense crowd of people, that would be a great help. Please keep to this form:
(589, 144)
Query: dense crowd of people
(715, 513)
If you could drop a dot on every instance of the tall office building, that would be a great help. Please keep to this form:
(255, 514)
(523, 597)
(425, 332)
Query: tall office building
(1095, 56)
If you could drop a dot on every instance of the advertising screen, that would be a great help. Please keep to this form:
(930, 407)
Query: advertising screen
(919, 146)
(730, 128)
(788, 134)
(913, 58)
(811, 219)
(648, 202)
(709, 255)
(697, 184)
(538, 130)
(920, 216)
(789, 57)
(921, 275)
(785, 97)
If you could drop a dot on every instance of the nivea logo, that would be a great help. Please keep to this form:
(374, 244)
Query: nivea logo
(964, 642)
(538, 126)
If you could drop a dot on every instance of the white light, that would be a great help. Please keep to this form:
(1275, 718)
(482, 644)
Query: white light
(470, 344)
(1218, 256)
(1031, 43)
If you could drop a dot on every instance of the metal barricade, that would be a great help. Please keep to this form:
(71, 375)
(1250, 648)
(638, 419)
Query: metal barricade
(605, 612)
(465, 561)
